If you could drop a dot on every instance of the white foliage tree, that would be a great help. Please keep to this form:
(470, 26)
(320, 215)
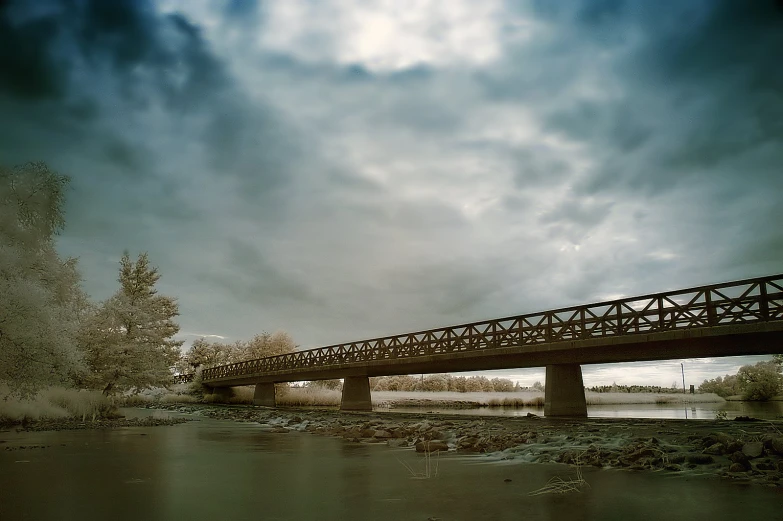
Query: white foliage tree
(41, 301)
(129, 339)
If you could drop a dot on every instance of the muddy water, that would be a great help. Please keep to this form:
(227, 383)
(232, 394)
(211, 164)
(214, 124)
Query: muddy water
(217, 470)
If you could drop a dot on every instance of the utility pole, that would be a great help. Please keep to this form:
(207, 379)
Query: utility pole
(683, 377)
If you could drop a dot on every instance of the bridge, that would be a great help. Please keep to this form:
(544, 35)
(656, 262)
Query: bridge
(735, 318)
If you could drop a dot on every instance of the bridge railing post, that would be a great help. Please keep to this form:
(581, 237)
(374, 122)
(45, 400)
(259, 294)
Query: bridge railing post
(711, 316)
(764, 302)
(548, 330)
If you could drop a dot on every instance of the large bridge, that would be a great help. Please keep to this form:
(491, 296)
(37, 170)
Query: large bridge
(735, 318)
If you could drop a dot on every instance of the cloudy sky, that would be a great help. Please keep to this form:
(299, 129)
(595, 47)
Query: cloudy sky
(353, 168)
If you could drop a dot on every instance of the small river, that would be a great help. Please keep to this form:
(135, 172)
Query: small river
(220, 470)
(696, 411)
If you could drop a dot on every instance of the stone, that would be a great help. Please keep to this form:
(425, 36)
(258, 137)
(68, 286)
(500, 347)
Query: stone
(397, 442)
(741, 458)
(382, 434)
(776, 444)
(766, 464)
(431, 446)
(737, 467)
(753, 449)
(716, 449)
(699, 459)
(677, 459)
(734, 446)
(724, 438)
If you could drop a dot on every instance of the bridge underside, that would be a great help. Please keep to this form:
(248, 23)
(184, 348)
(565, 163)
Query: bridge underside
(564, 389)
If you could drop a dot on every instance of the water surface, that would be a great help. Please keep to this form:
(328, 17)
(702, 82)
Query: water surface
(218, 470)
(698, 411)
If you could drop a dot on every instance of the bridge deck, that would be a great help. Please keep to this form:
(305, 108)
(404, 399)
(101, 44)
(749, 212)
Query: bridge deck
(734, 318)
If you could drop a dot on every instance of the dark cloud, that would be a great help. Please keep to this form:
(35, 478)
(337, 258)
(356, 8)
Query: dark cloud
(279, 189)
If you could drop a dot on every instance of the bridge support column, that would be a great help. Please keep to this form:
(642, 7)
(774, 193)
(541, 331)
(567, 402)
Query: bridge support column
(264, 394)
(356, 394)
(222, 394)
(565, 392)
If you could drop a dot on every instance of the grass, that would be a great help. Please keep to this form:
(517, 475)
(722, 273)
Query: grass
(309, 397)
(52, 403)
(520, 399)
(649, 398)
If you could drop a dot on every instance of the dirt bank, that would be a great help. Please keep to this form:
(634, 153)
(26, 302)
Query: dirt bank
(746, 450)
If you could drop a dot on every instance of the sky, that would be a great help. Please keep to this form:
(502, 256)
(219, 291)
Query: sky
(348, 169)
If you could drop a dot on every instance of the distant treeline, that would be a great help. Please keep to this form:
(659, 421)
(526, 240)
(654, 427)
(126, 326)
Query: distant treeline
(614, 388)
(443, 382)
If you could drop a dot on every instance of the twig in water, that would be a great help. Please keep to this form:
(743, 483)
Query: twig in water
(558, 485)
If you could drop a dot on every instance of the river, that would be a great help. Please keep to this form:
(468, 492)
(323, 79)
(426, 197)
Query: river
(219, 470)
(697, 411)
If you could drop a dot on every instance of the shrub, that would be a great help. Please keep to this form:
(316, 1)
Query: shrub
(761, 381)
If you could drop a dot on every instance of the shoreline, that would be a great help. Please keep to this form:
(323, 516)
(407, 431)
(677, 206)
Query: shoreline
(68, 424)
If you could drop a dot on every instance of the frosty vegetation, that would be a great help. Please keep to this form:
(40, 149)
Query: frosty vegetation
(444, 382)
(52, 334)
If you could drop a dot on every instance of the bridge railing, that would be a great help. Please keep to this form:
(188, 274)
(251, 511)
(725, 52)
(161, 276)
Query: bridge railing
(739, 302)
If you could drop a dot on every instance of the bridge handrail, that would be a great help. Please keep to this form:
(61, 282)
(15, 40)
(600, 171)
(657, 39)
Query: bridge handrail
(761, 299)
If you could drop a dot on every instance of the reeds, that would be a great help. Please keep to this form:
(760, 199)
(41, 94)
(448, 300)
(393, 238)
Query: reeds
(517, 403)
(559, 485)
(54, 402)
(429, 471)
(309, 397)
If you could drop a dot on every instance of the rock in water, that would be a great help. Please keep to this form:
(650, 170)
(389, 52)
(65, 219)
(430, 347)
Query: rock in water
(753, 449)
(431, 446)
(715, 449)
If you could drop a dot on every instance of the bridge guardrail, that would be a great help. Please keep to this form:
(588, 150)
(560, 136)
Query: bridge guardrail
(739, 302)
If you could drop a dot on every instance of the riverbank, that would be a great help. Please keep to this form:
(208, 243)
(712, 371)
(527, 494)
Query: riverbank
(68, 424)
(743, 449)
(394, 399)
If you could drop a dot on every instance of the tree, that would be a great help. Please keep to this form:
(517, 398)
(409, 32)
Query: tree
(41, 301)
(263, 345)
(722, 386)
(205, 354)
(473, 385)
(502, 385)
(761, 381)
(129, 340)
(332, 385)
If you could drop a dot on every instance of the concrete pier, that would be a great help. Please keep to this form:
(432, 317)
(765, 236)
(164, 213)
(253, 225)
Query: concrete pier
(356, 394)
(264, 394)
(565, 392)
(222, 394)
